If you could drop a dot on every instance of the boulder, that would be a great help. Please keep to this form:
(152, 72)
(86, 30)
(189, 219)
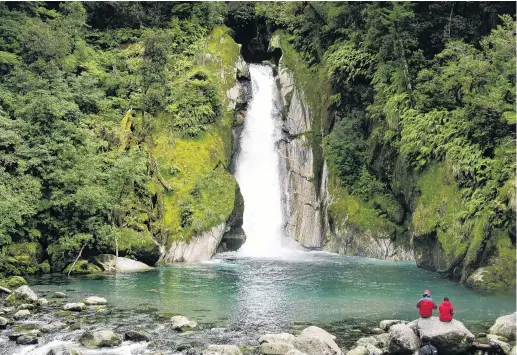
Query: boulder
(505, 326)
(78, 307)
(513, 351)
(373, 350)
(16, 281)
(277, 348)
(181, 323)
(402, 340)
(21, 314)
(136, 335)
(52, 327)
(3, 323)
(327, 338)
(367, 340)
(99, 339)
(59, 295)
(5, 290)
(359, 350)
(26, 340)
(277, 338)
(107, 263)
(386, 324)
(222, 350)
(495, 339)
(382, 340)
(377, 331)
(64, 350)
(25, 293)
(95, 301)
(448, 337)
(42, 302)
(26, 306)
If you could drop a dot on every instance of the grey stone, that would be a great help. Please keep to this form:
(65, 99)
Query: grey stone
(95, 301)
(25, 293)
(5, 290)
(402, 340)
(495, 339)
(26, 306)
(42, 302)
(387, 323)
(277, 338)
(59, 295)
(100, 339)
(64, 350)
(367, 340)
(377, 331)
(181, 323)
(110, 263)
(295, 352)
(505, 326)
(3, 322)
(26, 340)
(21, 314)
(449, 338)
(359, 350)
(276, 348)
(77, 307)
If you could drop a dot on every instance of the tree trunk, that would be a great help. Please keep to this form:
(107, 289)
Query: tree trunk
(78, 256)
(116, 253)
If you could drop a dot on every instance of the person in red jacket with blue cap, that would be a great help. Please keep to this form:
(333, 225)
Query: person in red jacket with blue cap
(426, 305)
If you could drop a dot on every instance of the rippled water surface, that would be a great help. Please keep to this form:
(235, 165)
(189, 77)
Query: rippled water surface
(253, 296)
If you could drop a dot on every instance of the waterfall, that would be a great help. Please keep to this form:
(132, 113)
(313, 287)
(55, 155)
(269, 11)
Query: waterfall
(257, 170)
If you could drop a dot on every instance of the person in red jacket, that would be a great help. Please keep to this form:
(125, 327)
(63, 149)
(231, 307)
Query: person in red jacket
(426, 305)
(446, 310)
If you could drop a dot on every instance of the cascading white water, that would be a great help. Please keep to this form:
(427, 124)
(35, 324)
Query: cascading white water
(257, 168)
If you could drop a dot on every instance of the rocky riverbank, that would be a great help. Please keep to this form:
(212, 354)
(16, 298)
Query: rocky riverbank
(61, 323)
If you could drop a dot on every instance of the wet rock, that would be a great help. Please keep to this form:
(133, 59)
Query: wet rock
(367, 340)
(25, 293)
(74, 307)
(181, 323)
(26, 306)
(373, 350)
(449, 338)
(95, 301)
(277, 348)
(377, 331)
(7, 310)
(495, 339)
(222, 350)
(277, 338)
(360, 350)
(3, 322)
(505, 326)
(52, 327)
(386, 324)
(382, 340)
(100, 339)
(59, 295)
(5, 290)
(64, 350)
(26, 340)
(136, 335)
(21, 314)
(402, 340)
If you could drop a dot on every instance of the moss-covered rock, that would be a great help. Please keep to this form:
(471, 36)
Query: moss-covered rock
(15, 282)
(82, 267)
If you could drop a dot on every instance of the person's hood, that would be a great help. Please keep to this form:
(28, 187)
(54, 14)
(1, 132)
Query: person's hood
(447, 303)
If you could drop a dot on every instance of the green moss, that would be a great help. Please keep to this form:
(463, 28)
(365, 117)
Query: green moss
(83, 267)
(501, 272)
(139, 245)
(438, 210)
(15, 282)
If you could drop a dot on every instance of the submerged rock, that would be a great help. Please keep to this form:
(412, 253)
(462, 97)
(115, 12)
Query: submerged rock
(21, 314)
(181, 323)
(402, 340)
(136, 335)
(505, 326)
(3, 323)
(25, 293)
(222, 350)
(74, 307)
(100, 339)
(94, 301)
(449, 338)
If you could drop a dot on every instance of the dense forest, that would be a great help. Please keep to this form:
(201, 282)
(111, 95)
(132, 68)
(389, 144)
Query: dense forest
(419, 133)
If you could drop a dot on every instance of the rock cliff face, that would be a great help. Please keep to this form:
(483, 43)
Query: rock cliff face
(302, 202)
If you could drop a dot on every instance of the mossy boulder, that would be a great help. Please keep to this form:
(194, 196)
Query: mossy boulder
(100, 339)
(82, 267)
(15, 282)
(139, 245)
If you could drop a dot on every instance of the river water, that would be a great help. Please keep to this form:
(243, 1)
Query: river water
(251, 296)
